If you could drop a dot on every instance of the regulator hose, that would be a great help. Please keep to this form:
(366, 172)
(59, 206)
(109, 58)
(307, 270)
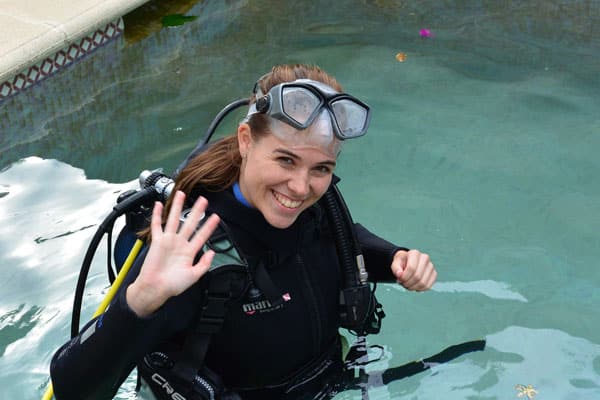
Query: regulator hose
(142, 196)
(349, 250)
(210, 131)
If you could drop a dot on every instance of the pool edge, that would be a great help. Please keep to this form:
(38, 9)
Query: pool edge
(36, 55)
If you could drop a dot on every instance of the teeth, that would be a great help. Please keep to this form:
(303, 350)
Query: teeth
(289, 203)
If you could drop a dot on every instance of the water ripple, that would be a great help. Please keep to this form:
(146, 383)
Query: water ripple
(488, 288)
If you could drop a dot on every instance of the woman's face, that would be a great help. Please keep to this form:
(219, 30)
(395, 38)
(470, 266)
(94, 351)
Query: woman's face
(282, 180)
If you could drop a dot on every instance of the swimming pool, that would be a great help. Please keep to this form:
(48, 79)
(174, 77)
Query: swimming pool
(482, 151)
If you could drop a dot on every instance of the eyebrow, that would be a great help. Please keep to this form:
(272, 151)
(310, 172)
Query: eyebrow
(297, 157)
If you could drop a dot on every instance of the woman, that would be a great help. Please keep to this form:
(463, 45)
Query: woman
(261, 187)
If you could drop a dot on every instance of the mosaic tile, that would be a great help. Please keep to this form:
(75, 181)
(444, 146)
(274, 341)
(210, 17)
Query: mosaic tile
(62, 58)
(73, 52)
(86, 44)
(47, 67)
(19, 82)
(34, 74)
(6, 89)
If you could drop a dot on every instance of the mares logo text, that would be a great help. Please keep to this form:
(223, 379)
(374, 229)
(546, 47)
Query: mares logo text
(263, 306)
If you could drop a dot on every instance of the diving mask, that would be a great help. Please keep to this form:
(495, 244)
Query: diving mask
(305, 102)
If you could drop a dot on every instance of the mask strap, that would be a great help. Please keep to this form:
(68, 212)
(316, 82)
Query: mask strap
(257, 91)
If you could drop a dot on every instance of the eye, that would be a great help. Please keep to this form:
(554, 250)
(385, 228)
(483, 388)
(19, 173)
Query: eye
(323, 170)
(285, 161)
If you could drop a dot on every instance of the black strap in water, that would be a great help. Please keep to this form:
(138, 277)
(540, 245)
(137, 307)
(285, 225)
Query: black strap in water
(446, 355)
(357, 359)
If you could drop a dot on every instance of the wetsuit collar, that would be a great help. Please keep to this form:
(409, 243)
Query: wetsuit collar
(237, 192)
(257, 235)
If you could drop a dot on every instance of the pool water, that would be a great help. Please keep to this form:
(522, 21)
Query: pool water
(482, 152)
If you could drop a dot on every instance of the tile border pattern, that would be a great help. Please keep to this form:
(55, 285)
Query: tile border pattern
(61, 59)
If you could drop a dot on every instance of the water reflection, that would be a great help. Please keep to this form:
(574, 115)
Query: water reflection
(45, 220)
(489, 288)
(16, 324)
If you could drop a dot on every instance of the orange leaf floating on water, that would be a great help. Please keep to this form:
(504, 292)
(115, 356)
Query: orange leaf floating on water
(401, 57)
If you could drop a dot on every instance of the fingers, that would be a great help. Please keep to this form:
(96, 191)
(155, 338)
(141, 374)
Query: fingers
(173, 218)
(399, 264)
(415, 269)
(430, 279)
(409, 275)
(194, 217)
(205, 231)
(418, 272)
(189, 229)
(203, 265)
(156, 221)
(190, 225)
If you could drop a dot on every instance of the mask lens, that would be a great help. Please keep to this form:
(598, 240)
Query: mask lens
(299, 104)
(351, 117)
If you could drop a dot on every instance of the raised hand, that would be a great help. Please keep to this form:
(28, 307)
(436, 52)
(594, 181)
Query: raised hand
(169, 268)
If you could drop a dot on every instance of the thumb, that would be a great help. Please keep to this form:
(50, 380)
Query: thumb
(399, 265)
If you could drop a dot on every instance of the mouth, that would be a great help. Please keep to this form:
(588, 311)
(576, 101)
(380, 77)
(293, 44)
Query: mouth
(286, 201)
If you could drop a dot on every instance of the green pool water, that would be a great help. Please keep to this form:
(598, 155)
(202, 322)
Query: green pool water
(482, 152)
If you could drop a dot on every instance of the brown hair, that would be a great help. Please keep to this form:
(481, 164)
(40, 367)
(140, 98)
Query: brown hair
(218, 167)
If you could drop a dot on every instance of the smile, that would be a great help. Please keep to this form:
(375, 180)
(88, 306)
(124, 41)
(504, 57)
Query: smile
(286, 201)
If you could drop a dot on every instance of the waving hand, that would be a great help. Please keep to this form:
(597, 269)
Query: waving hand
(169, 267)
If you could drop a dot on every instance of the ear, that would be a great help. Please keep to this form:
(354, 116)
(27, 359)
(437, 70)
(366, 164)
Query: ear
(244, 137)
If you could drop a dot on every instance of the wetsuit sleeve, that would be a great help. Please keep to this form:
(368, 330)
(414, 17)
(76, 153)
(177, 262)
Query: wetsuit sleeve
(95, 363)
(378, 254)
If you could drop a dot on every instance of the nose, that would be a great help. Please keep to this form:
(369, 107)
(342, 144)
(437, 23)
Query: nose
(299, 184)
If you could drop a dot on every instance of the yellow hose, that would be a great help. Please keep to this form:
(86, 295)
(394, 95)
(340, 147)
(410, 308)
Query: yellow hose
(49, 392)
(120, 278)
(109, 296)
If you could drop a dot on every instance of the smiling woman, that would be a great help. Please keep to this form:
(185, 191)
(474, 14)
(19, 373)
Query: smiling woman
(299, 275)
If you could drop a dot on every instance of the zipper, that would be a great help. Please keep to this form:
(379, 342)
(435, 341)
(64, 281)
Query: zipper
(202, 382)
(314, 304)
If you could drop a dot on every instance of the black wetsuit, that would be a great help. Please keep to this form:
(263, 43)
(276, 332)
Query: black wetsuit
(253, 350)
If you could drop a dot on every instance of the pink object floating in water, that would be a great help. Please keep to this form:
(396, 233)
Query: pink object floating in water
(425, 33)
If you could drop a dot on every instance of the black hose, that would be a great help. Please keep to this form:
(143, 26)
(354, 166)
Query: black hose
(106, 226)
(210, 131)
(109, 268)
(341, 224)
(222, 114)
(85, 268)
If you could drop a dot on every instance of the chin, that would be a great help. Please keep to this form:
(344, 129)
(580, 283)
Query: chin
(280, 223)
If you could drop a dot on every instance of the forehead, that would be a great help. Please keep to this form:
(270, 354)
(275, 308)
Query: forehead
(318, 135)
(275, 145)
